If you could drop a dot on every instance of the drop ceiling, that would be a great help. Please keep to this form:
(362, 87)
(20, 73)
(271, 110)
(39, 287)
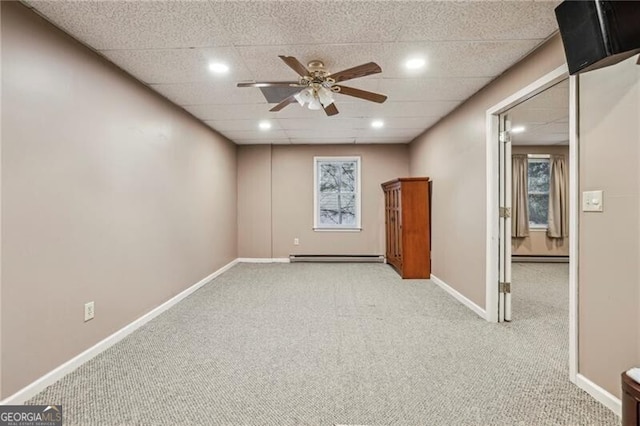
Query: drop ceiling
(544, 118)
(169, 46)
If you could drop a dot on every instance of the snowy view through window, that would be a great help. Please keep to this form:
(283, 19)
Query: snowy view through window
(538, 192)
(337, 193)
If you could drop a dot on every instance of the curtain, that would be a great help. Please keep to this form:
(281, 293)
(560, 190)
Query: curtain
(558, 208)
(520, 197)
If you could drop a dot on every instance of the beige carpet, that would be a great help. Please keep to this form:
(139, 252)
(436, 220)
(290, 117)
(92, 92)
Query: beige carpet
(323, 344)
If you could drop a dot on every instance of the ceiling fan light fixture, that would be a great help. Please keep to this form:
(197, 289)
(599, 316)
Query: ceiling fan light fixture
(315, 104)
(317, 85)
(304, 96)
(325, 96)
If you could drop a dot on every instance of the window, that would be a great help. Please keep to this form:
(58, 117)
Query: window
(538, 182)
(337, 193)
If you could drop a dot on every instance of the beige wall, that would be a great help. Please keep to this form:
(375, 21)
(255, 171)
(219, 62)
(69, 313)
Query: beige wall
(109, 194)
(291, 201)
(453, 154)
(609, 288)
(537, 243)
(254, 201)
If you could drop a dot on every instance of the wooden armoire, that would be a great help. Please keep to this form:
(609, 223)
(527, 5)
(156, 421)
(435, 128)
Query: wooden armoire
(408, 226)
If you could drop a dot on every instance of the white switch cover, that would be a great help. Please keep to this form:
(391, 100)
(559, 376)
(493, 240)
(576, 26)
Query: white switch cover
(89, 311)
(592, 201)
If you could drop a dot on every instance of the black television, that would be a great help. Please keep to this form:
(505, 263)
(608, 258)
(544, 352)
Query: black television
(598, 33)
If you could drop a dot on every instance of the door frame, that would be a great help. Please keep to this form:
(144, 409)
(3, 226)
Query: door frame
(492, 180)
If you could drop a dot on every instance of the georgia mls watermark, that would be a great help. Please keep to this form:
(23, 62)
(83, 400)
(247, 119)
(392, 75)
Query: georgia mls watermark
(30, 415)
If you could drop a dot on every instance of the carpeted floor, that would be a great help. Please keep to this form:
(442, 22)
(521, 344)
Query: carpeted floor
(324, 344)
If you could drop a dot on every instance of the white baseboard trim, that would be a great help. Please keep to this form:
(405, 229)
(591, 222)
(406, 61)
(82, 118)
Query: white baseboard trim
(57, 373)
(599, 394)
(263, 259)
(460, 297)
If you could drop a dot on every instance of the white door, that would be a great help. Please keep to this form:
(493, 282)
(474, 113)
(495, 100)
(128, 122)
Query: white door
(504, 286)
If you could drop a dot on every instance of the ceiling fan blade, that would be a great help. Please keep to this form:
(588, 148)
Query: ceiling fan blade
(291, 99)
(271, 84)
(356, 72)
(362, 94)
(331, 109)
(295, 65)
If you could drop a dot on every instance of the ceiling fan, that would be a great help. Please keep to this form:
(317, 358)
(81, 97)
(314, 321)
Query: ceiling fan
(317, 85)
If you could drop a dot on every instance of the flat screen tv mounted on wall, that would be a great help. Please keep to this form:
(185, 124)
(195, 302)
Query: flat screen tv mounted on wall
(598, 33)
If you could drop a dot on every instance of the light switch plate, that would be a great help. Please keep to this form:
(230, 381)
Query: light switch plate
(592, 201)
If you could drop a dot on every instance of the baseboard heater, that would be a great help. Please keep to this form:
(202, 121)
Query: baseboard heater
(371, 258)
(540, 259)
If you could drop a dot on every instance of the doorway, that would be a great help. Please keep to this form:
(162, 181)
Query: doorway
(534, 194)
(537, 125)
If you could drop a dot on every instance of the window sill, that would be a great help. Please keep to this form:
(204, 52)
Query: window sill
(337, 229)
(538, 228)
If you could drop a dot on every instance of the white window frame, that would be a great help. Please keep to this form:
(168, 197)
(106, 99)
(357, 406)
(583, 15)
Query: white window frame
(547, 157)
(316, 189)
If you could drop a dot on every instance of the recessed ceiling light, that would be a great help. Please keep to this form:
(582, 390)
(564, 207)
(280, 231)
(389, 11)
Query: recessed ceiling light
(218, 67)
(264, 125)
(415, 63)
(376, 124)
(518, 129)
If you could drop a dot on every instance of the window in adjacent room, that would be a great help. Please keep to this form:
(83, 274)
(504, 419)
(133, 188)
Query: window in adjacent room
(538, 183)
(337, 193)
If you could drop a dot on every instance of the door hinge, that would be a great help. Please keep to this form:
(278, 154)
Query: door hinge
(505, 212)
(505, 137)
(504, 287)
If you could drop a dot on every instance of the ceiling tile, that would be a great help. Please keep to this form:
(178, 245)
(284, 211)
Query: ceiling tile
(309, 22)
(265, 65)
(538, 115)
(232, 111)
(180, 65)
(271, 135)
(454, 58)
(248, 125)
(348, 107)
(433, 89)
(545, 117)
(211, 94)
(389, 133)
(413, 108)
(327, 133)
(420, 123)
(321, 123)
(562, 128)
(546, 139)
(479, 20)
(261, 142)
(168, 45)
(137, 24)
(369, 140)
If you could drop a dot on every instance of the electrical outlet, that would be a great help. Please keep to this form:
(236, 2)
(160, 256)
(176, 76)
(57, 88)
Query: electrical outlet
(296, 242)
(89, 311)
